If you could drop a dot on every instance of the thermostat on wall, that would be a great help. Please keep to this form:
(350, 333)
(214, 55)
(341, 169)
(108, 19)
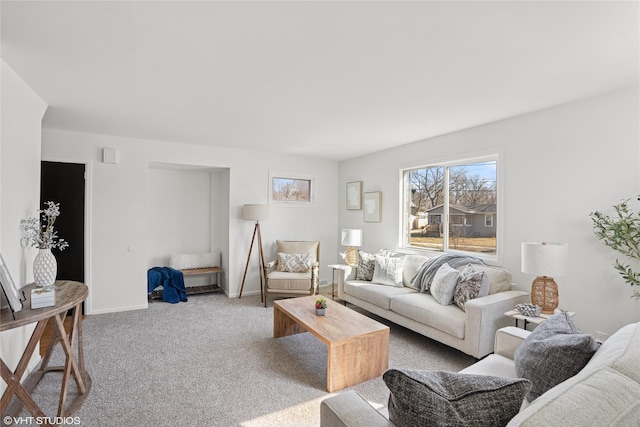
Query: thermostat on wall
(109, 155)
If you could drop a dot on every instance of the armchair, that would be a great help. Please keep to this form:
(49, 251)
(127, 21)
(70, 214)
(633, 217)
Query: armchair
(295, 271)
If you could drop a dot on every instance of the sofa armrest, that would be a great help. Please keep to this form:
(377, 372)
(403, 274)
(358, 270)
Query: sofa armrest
(485, 315)
(344, 273)
(348, 409)
(508, 339)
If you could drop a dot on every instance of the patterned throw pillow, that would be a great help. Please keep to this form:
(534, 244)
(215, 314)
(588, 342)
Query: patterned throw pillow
(388, 271)
(471, 284)
(433, 398)
(294, 263)
(555, 351)
(444, 284)
(366, 265)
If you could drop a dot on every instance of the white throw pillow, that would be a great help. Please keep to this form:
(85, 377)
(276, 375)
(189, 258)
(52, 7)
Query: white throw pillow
(294, 263)
(444, 283)
(388, 271)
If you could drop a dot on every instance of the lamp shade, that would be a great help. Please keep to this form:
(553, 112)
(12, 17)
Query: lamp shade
(351, 237)
(256, 212)
(545, 259)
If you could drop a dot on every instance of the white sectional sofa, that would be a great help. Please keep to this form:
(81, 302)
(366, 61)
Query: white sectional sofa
(605, 392)
(471, 331)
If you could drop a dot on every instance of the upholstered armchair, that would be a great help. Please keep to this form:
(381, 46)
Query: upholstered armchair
(295, 270)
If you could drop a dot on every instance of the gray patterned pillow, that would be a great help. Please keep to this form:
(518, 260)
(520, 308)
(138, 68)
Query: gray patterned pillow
(471, 284)
(294, 263)
(433, 398)
(366, 265)
(555, 351)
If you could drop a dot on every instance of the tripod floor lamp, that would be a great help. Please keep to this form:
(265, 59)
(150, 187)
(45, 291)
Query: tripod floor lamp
(255, 213)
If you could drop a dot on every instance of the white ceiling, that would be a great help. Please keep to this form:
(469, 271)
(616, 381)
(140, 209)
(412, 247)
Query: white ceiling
(325, 79)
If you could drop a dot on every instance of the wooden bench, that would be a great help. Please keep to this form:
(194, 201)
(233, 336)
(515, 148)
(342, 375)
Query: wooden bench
(194, 290)
(191, 290)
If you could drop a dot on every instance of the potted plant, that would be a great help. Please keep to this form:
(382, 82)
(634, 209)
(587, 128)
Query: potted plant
(622, 233)
(39, 233)
(321, 306)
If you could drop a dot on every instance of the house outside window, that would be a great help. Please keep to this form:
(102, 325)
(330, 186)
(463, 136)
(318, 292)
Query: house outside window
(460, 202)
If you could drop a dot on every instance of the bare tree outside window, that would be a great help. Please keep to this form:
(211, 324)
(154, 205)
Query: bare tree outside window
(290, 190)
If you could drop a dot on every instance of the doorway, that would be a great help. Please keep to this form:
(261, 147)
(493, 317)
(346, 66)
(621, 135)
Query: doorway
(64, 183)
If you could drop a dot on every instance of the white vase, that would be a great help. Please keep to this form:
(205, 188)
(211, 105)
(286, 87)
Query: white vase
(45, 268)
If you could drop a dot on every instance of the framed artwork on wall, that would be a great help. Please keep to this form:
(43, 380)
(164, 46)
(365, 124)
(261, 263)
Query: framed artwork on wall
(354, 195)
(9, 288)
(372, 206)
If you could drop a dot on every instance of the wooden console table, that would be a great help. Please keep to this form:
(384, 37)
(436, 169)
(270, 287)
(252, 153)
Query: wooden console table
(69, 296)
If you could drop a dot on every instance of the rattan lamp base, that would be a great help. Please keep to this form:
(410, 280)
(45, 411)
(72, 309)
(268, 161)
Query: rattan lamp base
(544, 293)
(351, 256)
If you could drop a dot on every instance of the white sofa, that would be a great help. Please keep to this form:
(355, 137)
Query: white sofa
(471, 331)
(605, 392)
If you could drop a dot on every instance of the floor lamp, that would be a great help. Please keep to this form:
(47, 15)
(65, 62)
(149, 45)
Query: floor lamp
(255, 213)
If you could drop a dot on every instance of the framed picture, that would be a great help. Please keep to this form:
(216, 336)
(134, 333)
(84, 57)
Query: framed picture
(372, 203)
(291, 188)
(354, 195)
(9, 288)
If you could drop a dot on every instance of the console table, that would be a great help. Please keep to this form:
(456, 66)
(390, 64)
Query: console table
(68, 296)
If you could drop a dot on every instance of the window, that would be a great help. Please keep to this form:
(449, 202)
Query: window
(488, 220)
(290, 188)
(452, 207)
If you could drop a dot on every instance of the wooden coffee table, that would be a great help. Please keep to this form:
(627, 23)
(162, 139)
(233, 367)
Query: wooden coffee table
(357, 346)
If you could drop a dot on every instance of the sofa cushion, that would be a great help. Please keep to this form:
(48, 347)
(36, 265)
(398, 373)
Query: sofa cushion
(375, 294)
(444, 284)
(425, 309)
(601, 397)
(621, 351)
(366, 265)
(388, 270)
(472, 283)
(412, 264)
(279, 280)
(433, 398)
(499, 278)
(299, 247)
(555, 351)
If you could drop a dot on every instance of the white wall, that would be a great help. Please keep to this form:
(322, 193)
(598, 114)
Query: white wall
(119, 235)
(559, 165)
(21, 116)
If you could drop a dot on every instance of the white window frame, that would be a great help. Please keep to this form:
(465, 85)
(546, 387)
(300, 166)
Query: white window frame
(405, 199)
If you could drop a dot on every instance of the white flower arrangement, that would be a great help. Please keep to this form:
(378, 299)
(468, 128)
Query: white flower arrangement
(39, 232)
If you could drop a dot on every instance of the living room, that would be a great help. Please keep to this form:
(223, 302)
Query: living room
(573, 153)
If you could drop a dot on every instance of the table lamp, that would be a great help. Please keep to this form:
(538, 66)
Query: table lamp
(545, 260)
(351, 238)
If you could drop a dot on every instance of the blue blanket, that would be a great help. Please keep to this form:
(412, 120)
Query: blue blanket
(422, 279)
(172, 282)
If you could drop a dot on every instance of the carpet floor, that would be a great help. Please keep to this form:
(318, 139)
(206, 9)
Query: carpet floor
(212, 361)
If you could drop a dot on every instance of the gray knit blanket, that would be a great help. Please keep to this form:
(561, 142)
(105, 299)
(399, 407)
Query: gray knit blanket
(423, 277)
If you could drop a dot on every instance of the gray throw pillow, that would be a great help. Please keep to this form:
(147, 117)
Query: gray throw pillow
(471, 284)
(435, 398)
(555, 351)
(366, 265)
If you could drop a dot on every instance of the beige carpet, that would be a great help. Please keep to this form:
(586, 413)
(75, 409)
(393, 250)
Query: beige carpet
(212, 361)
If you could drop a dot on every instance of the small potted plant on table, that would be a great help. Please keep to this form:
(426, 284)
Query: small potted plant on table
(321, 306)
